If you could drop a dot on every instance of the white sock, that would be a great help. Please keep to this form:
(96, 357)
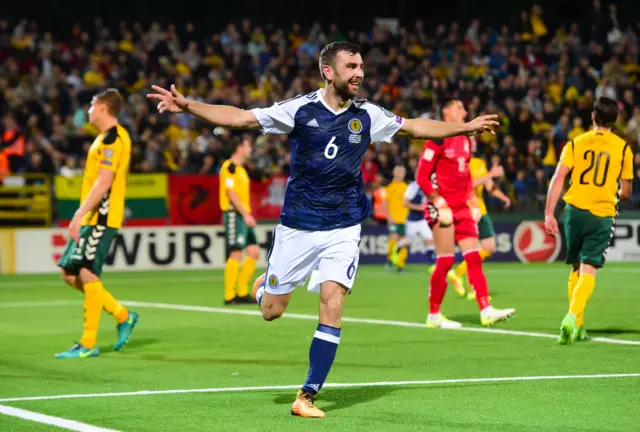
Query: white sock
(259, 294)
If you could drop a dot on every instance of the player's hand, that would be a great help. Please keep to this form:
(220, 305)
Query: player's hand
(551, 225)
(249, 220)
(496, 171)
(439, 210)
(474, 205)
(74, 228)
(481, 124)
(507, 202)
(169, 100)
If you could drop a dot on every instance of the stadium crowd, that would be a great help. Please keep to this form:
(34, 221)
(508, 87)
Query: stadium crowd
(541, 79)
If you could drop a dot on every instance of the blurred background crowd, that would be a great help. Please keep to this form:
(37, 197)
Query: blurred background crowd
(541, 78)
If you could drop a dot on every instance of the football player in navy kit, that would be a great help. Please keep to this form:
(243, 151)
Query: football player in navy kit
(325, 202)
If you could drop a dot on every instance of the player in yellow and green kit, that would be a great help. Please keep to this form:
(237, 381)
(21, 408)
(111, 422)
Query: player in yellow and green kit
(96, 223)
(482, 178)
(239, 225)
(397, 249)
(600, 165)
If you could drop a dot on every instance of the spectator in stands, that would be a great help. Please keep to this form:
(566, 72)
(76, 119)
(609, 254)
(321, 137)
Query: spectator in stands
(34, 164)
(635, 197)
(12, 146)
(70, 169)
(369, 168)
(522, 189)
(154, 157)
(540, 187)
(208, 165)
(541, 78)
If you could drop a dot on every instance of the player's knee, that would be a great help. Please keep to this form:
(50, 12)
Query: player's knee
(235, 255)
(489, 246)
(473, 259)
(271, 311)
(68, 278)
(588, 269)
(253, 252)
(87, 276)
(331, 301)
(333, 306)
(444, 263)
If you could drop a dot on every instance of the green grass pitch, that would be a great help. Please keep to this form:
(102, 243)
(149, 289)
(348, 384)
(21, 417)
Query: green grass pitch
(176, 347)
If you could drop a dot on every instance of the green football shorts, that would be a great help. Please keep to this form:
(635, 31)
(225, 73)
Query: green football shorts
(485, 227)
(91, 250)
(399, 229)
(588, 236)
(237, 234)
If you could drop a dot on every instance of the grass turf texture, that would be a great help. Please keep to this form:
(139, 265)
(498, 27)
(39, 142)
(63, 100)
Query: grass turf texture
(187, 349)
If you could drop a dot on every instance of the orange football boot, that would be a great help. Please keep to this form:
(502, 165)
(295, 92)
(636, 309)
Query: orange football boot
(305, 406)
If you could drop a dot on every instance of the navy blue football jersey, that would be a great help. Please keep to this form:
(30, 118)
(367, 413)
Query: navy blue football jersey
(325, 189)
(414, 195)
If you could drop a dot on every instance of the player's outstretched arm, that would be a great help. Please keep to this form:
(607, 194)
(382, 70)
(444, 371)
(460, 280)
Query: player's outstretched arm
(496, 192)
(433, 129)
(496, 171)
(409, 194)
(411, 206)
(221, 115)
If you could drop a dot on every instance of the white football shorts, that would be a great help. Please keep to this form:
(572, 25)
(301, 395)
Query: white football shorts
(324, 255)
(418, 230)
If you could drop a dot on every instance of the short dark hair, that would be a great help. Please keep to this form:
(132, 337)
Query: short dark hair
(113, 99)
(331, 50)
(236, 143)
(605, 111)
(446, 103)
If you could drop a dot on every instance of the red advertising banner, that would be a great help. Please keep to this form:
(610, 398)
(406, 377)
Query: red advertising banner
(193, 200)
(267, 197)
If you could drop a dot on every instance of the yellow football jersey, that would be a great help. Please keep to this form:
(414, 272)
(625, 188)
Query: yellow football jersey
(478, 168)
(598, 160)
(234, 177)
(110, 150)
(395, 196)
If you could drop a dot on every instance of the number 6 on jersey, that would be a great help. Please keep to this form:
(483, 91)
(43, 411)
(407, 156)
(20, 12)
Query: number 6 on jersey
(331, 151)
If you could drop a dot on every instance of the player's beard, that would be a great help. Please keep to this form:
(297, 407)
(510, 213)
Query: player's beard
(344, 91)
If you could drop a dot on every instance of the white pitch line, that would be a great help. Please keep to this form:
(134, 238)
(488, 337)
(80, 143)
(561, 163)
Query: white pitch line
(120, 280)
(50, 420)
(328, 385)
(32, 304)
(170, 276)
(364, 321)
(208, 309)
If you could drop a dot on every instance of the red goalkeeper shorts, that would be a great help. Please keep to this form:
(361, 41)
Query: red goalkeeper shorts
(463, 224)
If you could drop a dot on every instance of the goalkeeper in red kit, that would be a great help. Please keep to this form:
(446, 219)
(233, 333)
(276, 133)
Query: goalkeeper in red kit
(453, 213)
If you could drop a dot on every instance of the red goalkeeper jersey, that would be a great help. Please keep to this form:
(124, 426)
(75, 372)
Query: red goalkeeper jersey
(444, 168)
